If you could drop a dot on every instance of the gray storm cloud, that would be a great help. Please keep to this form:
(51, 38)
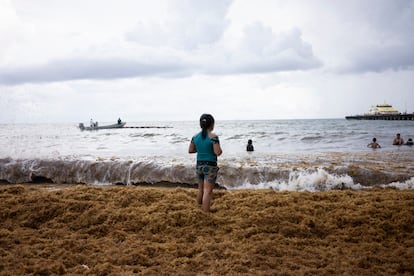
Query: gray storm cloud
(385, 30)
(260, 51)
(189, 42)
(86, 68)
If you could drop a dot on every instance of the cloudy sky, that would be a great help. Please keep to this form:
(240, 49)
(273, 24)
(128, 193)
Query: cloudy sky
(69, 61)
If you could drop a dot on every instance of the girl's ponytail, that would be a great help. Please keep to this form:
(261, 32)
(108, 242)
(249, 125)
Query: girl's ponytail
(206, 121)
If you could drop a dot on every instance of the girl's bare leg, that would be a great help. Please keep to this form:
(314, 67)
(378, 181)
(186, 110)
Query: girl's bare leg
(200, 192)
(207, 195)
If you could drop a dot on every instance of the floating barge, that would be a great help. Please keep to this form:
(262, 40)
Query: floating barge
(383, 112)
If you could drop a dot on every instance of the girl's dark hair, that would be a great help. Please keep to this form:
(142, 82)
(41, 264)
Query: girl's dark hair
(206, 121)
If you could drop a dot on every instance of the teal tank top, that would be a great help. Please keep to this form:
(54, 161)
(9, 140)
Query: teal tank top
(205, 151)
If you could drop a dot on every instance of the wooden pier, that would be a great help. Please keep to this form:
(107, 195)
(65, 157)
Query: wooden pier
(390, 117)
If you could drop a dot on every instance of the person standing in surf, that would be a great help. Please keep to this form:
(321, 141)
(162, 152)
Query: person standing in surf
(398, 141)
(207, 146)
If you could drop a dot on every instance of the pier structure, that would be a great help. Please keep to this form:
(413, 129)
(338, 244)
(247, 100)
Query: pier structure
(388, 117)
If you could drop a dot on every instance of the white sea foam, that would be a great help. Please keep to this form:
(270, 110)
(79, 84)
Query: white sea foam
(406, 185)
(305, 180)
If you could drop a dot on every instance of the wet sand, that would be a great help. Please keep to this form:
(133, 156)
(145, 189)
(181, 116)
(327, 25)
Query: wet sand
(123, 230)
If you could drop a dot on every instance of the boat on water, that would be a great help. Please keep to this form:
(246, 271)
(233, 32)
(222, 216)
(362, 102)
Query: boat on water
(95, 126)
(383, 111)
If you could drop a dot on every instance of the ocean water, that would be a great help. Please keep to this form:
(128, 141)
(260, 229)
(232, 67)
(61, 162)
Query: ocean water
(295, 155)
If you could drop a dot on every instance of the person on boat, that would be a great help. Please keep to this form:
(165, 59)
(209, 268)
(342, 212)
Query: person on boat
(398, 140)
(250, 145)
(374, 144)
(207, 146)
(119, 121)
(409, 142)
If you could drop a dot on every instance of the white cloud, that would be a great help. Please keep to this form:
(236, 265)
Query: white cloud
(262, 50)
(13, 31)
(259, 51)
(161, 60)
(190, 25)
(189, 42)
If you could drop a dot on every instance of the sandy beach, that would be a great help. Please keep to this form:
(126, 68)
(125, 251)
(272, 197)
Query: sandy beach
(124, 230)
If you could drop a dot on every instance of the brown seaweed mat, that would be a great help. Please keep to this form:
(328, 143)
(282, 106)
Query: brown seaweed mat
(129, 230)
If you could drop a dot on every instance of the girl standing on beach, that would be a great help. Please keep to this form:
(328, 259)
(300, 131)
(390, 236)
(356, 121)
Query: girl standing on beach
(207, 146)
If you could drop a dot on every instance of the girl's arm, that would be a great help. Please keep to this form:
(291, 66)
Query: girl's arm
(217, 149)
(192, 147)
(216, 144)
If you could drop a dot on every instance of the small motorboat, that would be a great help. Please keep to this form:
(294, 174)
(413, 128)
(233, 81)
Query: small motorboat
(95, 126)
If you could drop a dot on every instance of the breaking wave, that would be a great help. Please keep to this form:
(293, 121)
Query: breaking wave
(234, 176)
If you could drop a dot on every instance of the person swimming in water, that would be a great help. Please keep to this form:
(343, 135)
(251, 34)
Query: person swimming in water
(374, 144)
(250, 145)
